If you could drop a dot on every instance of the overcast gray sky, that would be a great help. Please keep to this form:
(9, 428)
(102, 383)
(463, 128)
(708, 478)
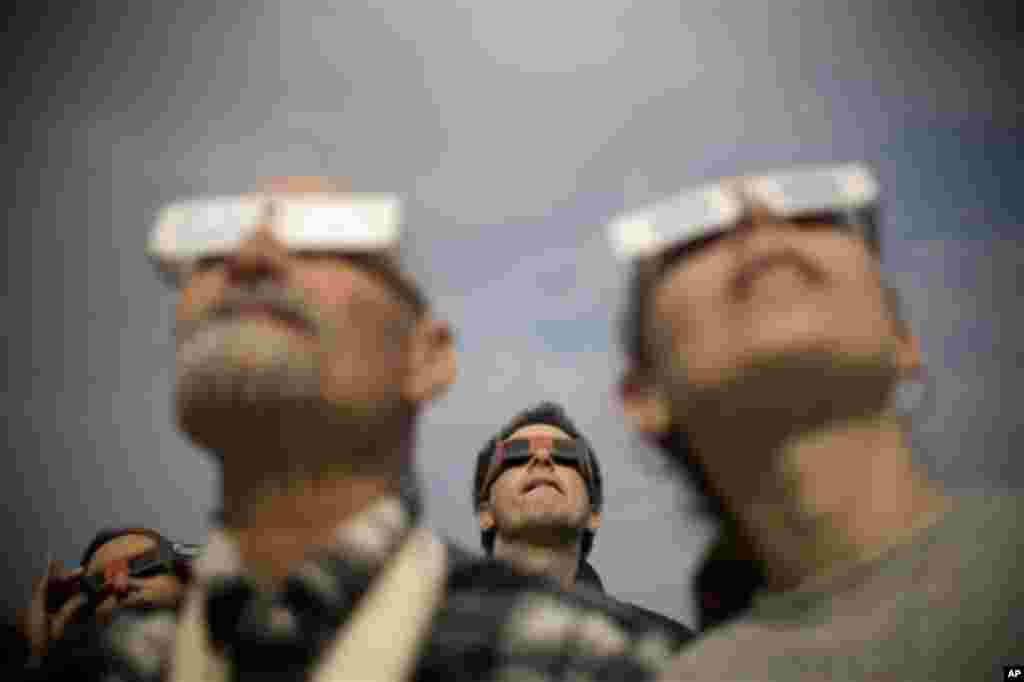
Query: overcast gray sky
(514, 131)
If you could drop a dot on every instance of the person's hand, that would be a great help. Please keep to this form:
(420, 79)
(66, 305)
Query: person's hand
(381, 641)
(36, 624)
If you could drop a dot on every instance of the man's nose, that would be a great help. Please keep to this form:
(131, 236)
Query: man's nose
(260, 256)
(118, 583)
(541, 455)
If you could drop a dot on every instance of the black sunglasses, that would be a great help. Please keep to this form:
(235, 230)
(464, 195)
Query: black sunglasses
(514, 452)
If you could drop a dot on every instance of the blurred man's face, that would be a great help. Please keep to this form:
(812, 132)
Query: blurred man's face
(267, 327)
(539, 496)
(160, 589)
(768, 295)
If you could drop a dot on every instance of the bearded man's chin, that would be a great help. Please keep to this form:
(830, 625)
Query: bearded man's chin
(213, 405)
(238, 365)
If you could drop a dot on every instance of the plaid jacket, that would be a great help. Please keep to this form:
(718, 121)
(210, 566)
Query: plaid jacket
(494, 624)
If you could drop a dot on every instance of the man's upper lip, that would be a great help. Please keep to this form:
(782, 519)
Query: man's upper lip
(250, 308)
(240, 309)
(542, 480)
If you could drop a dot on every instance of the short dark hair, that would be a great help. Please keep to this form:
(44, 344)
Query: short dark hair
(633, 324)
(552, 414)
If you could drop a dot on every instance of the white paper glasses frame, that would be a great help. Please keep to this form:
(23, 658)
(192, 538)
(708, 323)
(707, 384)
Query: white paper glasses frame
(717, 206)
(188, 230)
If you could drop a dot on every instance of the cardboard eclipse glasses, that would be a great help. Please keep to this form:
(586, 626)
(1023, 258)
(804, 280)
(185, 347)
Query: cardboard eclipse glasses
(847, 194)
(518, 451)
(163, 559)
(188, 231)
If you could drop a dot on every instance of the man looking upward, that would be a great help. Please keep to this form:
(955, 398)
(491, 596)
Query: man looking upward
(539, 491)
(121, 569)
(764, 350)
(304, 356)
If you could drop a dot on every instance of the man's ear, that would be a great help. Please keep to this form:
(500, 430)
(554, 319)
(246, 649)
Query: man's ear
(594, 522)
(485, 516)
(909, 358)
(431, 365)
(645, 404)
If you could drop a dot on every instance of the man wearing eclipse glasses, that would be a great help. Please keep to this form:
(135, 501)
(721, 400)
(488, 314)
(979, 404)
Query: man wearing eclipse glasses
(764, 352)
(537, 490)
(305, 353)
(122, 569)
(538, 493)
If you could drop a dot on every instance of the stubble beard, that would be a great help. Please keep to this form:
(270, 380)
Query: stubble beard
(234, 374)
(792, 389)
(543, 526)
(767, 399)
(243, 388)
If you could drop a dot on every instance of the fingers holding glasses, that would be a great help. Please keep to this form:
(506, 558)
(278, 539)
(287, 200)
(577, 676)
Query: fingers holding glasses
(38, 623)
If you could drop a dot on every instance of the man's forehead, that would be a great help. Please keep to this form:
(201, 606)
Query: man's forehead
(302, 184)
(123, 546)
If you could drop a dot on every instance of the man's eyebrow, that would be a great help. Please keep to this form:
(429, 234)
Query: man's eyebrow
(685, 248)
(393, 277)
(386, 272)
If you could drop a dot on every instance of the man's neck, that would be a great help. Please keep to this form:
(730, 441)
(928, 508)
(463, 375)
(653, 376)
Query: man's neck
(560, 562)
(825, 497)
(278, 518)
